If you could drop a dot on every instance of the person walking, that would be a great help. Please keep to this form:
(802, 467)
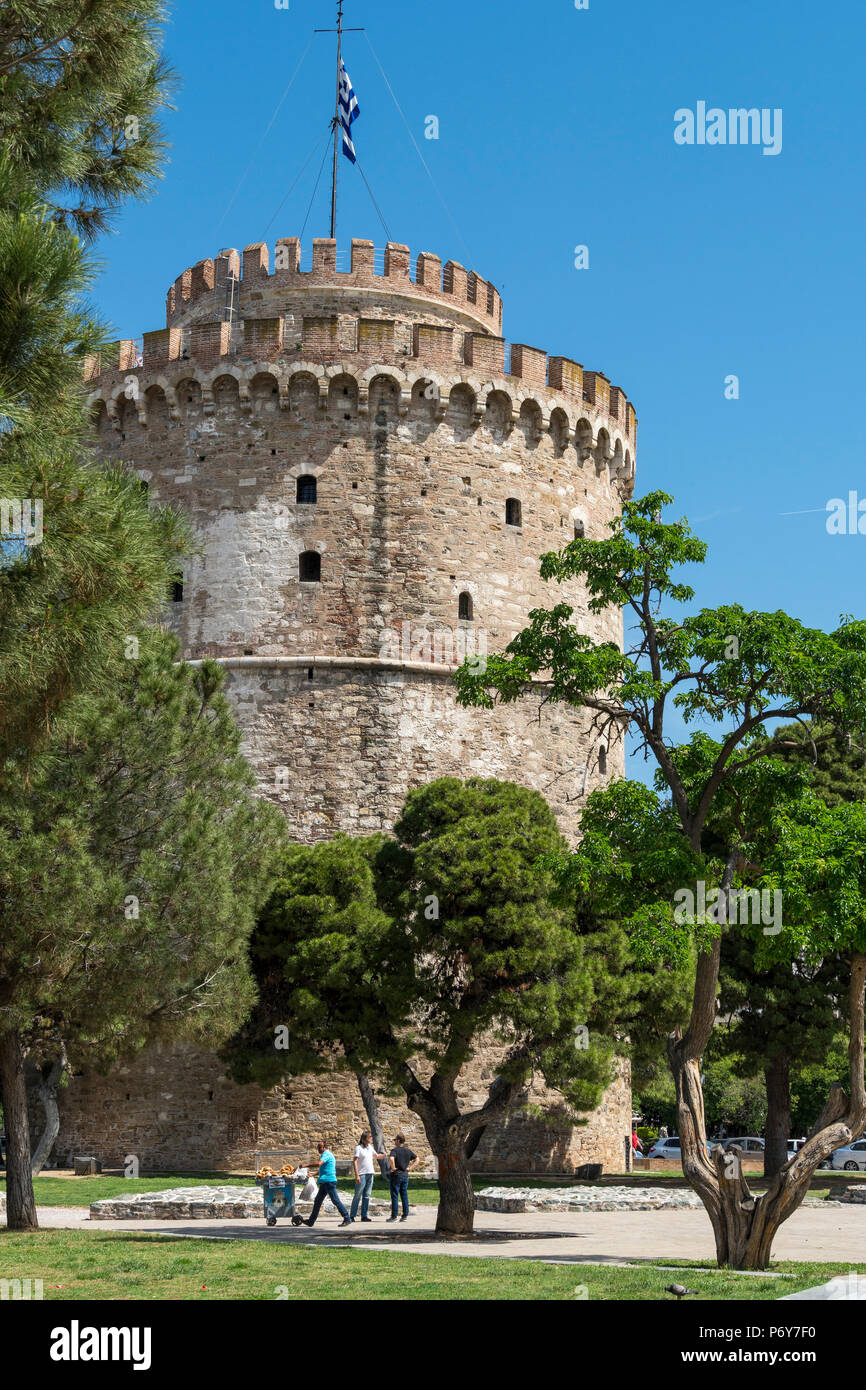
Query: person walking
(364, 1166)
(327, 1185)
(403, 1160)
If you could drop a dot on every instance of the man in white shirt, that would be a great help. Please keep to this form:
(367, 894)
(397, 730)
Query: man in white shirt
(364, 1164)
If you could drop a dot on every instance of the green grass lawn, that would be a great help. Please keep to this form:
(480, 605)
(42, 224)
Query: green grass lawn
(109, 1265)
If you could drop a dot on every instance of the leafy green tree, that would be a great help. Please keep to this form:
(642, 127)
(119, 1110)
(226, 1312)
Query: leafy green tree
(134, 858)
(741, 672)
(786, 1018)
(810, 1085)
(400, 967)
(780, 1018)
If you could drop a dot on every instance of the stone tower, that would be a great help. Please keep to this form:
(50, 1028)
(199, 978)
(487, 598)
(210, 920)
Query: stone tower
(373, 474)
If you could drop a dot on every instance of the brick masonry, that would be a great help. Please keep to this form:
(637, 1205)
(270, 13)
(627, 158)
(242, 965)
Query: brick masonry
(444, 465)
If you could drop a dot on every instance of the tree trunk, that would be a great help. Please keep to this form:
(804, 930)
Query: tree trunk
(20, 1202)
(777, 1078)
(371, 1106)
(745, 1226)
(47, 1091)
(456, 1213)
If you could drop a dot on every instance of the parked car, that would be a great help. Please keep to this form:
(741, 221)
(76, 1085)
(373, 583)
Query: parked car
(667, 1148)
(852, 1157)
(749, 1144)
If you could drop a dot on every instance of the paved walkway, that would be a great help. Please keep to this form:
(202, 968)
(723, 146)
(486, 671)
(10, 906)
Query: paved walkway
(835, 1235)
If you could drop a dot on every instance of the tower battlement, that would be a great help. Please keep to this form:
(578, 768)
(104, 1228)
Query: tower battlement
(230, 312)
(365, 268)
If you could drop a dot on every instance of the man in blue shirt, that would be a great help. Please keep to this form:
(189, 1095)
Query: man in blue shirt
(327, 1180)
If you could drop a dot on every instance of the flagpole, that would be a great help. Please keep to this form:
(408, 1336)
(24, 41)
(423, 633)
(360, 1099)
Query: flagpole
(336, 121)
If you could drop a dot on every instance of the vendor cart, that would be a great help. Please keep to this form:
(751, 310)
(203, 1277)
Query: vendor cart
(278, 1186)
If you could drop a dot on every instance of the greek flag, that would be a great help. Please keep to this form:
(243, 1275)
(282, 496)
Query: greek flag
(349, 111)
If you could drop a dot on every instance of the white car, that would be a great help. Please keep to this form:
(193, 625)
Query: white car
(852, 1158)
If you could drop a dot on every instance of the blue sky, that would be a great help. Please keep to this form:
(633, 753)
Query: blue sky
(556, 129)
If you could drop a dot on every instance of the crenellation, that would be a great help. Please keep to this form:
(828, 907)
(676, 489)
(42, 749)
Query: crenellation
(209, 341)
(363, 259)
(600, 389)
(485, 352)
(288, 256)
(397, 261)
(324, 255)
(433, 343)
(160, 347)
(428, 271)
(182, 290)
(455, 281)
(529, 365)
(201, 279)
(256, 262)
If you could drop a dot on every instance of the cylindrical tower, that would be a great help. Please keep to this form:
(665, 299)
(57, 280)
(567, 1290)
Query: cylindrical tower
(374, 475)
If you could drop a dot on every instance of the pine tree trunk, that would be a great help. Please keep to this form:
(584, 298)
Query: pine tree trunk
(20, 1202)
(371, 1107)
(47, 1091)
(777, 1078)
(456, 1214)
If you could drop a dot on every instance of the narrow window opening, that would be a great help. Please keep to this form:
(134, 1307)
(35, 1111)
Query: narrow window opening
(602, 760)
(310, 567)
(579, 530)
(177, 591)
(513, 512)
(309, 673)
(307, 491)
(464, 608)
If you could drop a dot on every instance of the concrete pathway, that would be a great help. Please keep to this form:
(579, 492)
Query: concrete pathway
(835, 1235)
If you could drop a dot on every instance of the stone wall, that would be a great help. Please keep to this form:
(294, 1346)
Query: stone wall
(176, 1111)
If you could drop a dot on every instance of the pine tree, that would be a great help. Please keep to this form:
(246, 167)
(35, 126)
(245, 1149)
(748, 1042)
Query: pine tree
(399, 961)
(133, 860)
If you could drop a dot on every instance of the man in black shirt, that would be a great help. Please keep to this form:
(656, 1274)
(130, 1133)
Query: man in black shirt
(402, 1162)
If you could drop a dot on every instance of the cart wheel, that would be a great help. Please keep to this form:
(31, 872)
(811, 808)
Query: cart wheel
(272, 1221)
